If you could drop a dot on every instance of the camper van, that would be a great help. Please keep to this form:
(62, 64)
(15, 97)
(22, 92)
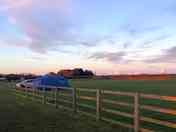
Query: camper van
(47, 81)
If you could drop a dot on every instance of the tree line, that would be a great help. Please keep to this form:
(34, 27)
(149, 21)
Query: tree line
(70, 74)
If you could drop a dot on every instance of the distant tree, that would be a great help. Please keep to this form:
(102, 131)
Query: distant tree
(88, 73)
(77, 72)
(18, 77)
(13, 77)
(30, 76)
(52, 73)
(1, 75)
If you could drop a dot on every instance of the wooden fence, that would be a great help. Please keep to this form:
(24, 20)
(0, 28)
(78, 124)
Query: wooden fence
(74, 97)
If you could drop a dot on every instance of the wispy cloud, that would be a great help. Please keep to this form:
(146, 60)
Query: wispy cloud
(126, 45)
(43, 22)
(133, 29)
(155, 39)
(50, 24)
(114, 57)
(167, 56)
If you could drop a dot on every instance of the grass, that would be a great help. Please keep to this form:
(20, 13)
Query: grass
(164, 87)
(18, 114)
(37, 115)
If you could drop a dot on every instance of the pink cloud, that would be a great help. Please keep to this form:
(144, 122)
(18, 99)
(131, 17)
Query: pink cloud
(42, 21)
(17, 4)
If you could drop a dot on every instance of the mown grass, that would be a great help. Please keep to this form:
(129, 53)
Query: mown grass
(40, 112)
(19, 114)
(161, 87)
(164, 87)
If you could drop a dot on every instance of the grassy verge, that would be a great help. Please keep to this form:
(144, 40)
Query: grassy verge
(22, 115)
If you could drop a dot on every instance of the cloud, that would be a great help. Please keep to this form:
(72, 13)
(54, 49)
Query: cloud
(42, 21)
(167, 56)
(49, 25)
(126, 45)
(21, 4)
(115, 57)
(35, 58)
(158, 38)
(133, 29)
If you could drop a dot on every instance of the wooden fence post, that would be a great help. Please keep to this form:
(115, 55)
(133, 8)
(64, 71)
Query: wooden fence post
(98, 105)
(34, 92)
(26, 91)
(136, 113)
(74, 98)
(44, 96)
(56, 92)
(37, 91)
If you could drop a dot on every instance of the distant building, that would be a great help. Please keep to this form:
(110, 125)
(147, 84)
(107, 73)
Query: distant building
(76, 73)
(66, 73)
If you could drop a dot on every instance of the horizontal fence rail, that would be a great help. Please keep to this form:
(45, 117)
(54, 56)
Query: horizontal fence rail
(76, 100)
(118, 93)
(87, 98)
(164, 98)
(158, 109)
(118, 103)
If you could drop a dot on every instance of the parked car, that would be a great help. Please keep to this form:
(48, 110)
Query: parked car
(25, 84)
(3, 79)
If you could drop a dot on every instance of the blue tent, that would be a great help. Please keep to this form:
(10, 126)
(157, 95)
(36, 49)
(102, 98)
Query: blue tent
(51, 81)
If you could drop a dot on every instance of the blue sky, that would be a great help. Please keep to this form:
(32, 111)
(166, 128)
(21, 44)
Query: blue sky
(109, 37)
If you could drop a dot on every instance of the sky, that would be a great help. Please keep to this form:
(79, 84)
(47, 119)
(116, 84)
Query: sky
(105, 36)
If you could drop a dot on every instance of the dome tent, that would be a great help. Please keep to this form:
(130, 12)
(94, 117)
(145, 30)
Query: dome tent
(51, 81)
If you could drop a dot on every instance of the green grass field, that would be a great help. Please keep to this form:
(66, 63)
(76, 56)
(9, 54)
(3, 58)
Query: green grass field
(163, 87)
(20, 114)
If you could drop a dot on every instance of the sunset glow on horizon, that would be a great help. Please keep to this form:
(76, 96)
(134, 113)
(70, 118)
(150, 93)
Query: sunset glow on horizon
(107, 37)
